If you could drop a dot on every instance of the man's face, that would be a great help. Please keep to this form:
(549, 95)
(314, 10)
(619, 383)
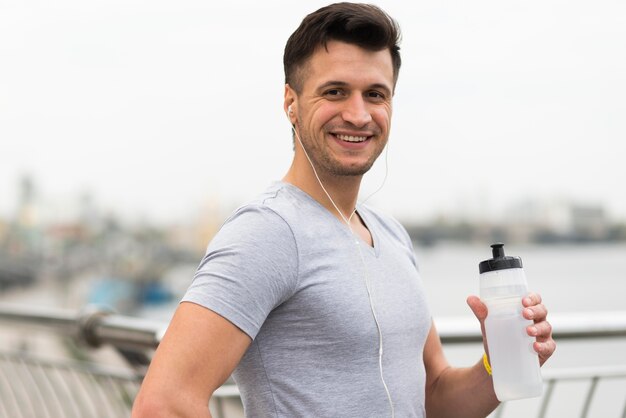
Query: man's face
(343, 112)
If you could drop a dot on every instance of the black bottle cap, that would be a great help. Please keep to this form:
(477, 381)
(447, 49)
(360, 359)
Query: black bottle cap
(499, 260)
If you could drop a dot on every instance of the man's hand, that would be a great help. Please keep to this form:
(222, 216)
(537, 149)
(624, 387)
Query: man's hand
(533, 310)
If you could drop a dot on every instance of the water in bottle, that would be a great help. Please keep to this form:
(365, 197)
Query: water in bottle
(514, 363)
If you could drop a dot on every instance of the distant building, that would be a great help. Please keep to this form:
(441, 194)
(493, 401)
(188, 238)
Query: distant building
(557, 220)
(588, 221)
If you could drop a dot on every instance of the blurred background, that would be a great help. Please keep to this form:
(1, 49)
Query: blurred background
(130, 130)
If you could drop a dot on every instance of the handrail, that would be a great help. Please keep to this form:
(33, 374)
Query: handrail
(92, 325)
(565, 326)
(97, 326)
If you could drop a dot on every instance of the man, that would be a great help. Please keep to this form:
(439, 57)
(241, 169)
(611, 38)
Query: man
(312, 301)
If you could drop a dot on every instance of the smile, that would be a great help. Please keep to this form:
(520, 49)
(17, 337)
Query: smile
(350, 138)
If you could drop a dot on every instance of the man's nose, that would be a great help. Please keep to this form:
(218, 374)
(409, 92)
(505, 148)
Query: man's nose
(356, 111)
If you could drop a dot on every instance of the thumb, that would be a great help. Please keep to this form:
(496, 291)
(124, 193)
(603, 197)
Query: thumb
(480, 311)
(478, 307)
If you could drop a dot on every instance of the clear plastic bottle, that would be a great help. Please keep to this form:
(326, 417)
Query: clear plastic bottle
(514, 363)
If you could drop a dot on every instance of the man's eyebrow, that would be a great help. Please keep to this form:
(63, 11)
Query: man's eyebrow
(332, 83)
(381, 86)
(336, 83)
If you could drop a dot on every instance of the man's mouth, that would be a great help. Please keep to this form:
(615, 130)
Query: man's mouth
(351, 138)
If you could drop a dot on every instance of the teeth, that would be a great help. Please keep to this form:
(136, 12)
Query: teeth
(349, 138)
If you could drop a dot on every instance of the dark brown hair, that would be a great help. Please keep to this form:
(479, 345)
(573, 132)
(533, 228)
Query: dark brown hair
(363, 25)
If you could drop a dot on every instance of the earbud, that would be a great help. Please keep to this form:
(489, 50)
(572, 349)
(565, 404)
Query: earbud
(289, 111)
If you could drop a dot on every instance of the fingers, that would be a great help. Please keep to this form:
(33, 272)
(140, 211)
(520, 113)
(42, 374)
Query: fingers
(537, 313)
(541, 330)
(545, 344)
(531, 299)
(534, 309)
(544, 349)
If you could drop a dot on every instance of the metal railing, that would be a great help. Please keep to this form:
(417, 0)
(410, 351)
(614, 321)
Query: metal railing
(580, 326)
(37, 388)
(592, 375)
(92, 325)
(97, 326)
(29, 385)
(569, 326)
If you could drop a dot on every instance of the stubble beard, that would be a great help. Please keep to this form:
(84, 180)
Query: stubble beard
(322, 158)
(333, 167)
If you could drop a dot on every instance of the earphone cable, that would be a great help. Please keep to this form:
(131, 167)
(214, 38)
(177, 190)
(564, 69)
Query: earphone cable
(365, 270)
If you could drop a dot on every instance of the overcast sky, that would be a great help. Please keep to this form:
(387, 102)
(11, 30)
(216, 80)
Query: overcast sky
(157, 108)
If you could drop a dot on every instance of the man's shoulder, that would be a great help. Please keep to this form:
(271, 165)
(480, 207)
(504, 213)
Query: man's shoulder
(275, 204)
(285, 201)
(274, 213)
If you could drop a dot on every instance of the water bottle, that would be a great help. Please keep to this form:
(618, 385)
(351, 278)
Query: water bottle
(514, 362)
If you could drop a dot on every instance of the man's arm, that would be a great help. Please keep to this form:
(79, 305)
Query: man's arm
(455, 392)
(468, 392)
(197, 354)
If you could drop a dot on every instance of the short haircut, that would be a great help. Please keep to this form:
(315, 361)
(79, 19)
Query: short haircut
(364, 25)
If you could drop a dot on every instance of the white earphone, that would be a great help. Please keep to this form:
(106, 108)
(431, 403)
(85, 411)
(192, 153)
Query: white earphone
(366, 277)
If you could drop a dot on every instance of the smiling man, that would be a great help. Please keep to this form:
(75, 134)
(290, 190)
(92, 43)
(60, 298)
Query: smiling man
(343, 108)
(312, 301)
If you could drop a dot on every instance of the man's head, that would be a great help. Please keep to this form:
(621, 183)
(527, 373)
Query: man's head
(341, 68)
(363, 25)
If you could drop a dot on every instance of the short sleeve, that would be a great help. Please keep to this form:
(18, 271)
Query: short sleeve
(250, 267)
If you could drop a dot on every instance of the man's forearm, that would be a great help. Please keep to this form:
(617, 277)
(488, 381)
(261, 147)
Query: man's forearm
(461, 393)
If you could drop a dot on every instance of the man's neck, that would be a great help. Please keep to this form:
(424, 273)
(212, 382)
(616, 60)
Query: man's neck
(343, 190)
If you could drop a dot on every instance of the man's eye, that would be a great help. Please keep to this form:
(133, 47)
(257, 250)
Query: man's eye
(375, 95)
(333, 92)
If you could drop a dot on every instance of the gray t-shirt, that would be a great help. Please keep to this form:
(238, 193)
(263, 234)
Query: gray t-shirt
(288, 273)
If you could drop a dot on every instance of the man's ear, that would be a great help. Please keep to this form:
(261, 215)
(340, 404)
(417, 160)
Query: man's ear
(289, 104)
